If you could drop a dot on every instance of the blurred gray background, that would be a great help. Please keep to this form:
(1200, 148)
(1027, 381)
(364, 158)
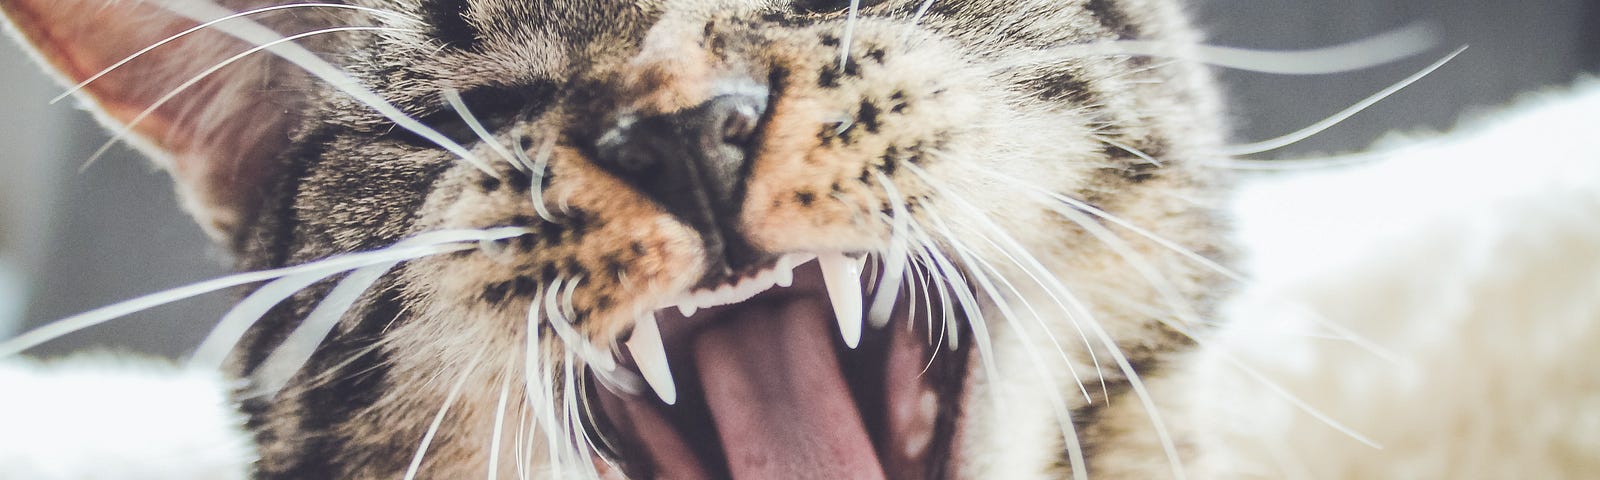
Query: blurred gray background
(72, 241)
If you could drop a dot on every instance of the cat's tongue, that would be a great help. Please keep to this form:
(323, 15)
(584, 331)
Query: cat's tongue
(778, 397)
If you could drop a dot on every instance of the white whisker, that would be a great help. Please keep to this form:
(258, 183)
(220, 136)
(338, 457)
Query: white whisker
(1369, 52)
(1129, 148)
(849, 33)
(1185, 313)
(1305, 163)
(499, 421)
(894, 260)
(127, 128)
(1012, 250)
(125, 60)
(438, 419)
(1077, 309)
(537, 387)
(953, 292)
(453, 98)
(1335, 119)
(586, 447)
(537, 171)
(213, 351)
(327, 266)
(1119, 221)
(1069, 432)
(286, 360)
(257, 34)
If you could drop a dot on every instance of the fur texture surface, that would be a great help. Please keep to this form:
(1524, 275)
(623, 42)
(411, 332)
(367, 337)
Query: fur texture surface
(530, 165)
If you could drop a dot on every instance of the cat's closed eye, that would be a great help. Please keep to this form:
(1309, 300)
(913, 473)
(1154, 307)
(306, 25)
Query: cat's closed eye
(493, 107)
(830, 6)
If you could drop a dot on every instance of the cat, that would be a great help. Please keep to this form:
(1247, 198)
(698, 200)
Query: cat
(569, 177)
(586, 207)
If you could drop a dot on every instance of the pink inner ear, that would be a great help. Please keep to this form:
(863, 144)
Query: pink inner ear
(220, 138)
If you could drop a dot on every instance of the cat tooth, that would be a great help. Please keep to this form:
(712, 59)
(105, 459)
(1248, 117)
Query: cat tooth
(843, 278)
(687, 309)
(651, 357)
(784, 277)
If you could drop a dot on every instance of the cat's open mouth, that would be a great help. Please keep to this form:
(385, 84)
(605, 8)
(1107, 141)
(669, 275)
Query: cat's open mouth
(768, 386)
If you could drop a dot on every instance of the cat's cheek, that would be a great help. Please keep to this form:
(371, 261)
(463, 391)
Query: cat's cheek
(625, 255)
(839, 152)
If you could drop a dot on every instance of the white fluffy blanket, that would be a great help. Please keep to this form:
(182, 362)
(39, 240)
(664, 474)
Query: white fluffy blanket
(1433, 314)
(1443, 303)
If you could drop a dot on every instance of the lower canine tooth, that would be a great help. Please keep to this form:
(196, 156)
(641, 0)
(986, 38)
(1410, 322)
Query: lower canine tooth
(843, 278)
(651, 357)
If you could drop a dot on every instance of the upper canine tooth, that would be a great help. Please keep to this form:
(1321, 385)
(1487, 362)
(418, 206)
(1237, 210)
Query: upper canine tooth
(843, 278)
(651, 357)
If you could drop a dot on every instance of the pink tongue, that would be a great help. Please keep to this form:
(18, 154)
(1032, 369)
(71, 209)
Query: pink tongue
(778, 397)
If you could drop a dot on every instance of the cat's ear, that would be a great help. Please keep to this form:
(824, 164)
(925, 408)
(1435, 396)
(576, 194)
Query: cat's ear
(219, 138)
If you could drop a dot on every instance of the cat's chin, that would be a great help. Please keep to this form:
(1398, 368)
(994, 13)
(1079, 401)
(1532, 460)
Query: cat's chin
(769, 387)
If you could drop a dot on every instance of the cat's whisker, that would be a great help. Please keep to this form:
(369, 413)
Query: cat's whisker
(538, 168)
(1186, 315)
(254, 33)
(895, 259)
(438, 418)
(1012, 253)
(1119, 221)
(589, 412)
(917, 289)
(970, 308)
(213, 351)
(453, 98)
(574, 420)
(130, 58)
(916, 19)
(498, 430)
(538, 386)
(296, 349)
(522, 442)
(1326, 123)
(957, 289)
(323, 377)
(1063, 413)
(936, 341)
(127, 127)
(1188, 318)
(325, 267)
(1128, 148)
(1076, 310)
(977, 261)
(1305, 163)
(941, 284)
(847, 38)
(1369, 52)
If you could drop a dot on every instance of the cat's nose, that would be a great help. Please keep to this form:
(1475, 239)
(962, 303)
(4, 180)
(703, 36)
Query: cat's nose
(692, 162)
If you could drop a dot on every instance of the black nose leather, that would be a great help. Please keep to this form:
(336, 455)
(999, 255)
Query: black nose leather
(693, 163)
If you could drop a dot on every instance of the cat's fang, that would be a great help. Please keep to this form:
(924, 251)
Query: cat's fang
(843, 278)
(651, 356)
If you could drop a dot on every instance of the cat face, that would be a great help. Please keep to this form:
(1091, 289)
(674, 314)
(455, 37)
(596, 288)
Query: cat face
(706, 201)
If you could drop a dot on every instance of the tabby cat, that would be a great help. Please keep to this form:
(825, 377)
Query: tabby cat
(685, 238)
